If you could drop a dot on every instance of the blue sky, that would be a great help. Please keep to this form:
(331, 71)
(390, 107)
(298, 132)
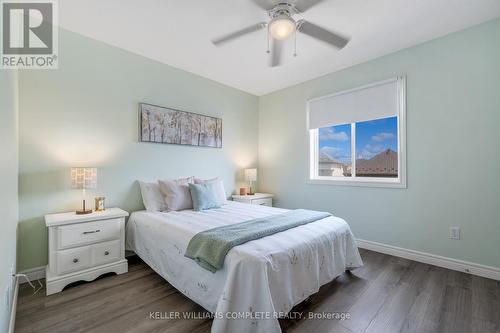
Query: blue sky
(372, 137)
(336, 142)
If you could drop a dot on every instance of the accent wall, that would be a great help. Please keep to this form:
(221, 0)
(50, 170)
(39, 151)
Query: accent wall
(453, 135)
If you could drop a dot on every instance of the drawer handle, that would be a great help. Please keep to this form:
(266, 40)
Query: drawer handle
(262, 204)
(91, 232)
(76, 260)
(106, 253)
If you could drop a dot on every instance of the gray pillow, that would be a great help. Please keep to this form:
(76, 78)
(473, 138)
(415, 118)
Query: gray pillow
(204, 196)
(176, 192)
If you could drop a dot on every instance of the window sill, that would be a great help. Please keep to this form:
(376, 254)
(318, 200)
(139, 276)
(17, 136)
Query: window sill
(374, 182)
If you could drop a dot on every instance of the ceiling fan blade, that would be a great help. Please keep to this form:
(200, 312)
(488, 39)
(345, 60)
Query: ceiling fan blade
(239, 33)
(265, 4)
(276, 53)
(322, 34)
(303, 5)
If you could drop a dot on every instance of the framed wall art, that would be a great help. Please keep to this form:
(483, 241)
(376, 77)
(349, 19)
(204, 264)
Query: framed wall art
(166, 125)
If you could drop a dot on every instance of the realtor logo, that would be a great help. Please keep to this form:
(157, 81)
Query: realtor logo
(29, 34)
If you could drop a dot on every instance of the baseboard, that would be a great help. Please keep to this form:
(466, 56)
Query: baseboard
(431, 259)
(13, 308)
(33, 274)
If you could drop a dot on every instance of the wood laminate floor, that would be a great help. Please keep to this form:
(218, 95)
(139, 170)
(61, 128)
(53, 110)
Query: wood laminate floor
(388, 294)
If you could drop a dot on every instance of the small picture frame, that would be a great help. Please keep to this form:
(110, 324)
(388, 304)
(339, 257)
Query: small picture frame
(99, 204)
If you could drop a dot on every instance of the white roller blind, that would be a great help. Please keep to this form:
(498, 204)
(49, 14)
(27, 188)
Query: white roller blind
(376, 101)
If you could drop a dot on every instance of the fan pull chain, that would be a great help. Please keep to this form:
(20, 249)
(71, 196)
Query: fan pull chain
(295, 44)
(268, 46)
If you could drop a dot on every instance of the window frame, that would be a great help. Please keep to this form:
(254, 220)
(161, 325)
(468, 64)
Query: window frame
(399, 182)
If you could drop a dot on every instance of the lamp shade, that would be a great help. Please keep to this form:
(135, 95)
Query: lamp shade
(83, 178)
(250, 175)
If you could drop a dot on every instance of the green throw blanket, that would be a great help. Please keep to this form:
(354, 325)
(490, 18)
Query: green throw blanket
(209, 248)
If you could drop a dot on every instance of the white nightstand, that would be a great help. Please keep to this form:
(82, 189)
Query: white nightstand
(83, 247)
(263, 199)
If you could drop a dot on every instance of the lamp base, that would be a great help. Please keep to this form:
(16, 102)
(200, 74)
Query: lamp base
(83, 212)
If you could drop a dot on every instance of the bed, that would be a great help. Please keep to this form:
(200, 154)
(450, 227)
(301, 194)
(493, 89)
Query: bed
(261, 280)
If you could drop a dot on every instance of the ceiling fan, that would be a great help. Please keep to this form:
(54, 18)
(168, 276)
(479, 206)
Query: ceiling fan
(282, 26)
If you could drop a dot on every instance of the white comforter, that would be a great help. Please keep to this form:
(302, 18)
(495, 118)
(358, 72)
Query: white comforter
(261, 279)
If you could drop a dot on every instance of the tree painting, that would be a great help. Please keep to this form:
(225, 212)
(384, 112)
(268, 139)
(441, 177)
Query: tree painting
(165, 125)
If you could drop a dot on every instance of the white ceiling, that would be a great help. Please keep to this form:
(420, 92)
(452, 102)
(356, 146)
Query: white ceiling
(178, 33)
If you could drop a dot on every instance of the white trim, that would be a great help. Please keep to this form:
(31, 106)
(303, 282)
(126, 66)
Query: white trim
(349, 181)
(353, 151)
(313, 156)
(13, 308)
(489, 272)
(402, 132)
(33, 274)
(399, 182)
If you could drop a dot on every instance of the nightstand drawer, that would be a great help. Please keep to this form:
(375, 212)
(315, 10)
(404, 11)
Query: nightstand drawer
(87, 233)
(263, 202)
(105, 252)
(73, 260)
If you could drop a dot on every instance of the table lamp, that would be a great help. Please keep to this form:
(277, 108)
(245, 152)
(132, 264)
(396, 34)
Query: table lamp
(82, 179)
(250, 176)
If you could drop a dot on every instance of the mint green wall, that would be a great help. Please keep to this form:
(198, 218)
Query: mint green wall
(8, 190)
(86, 114)
(453, 133)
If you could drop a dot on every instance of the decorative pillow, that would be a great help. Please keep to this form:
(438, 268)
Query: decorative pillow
(152, 197)
(176, 192)
(204, 196)
(218, 187)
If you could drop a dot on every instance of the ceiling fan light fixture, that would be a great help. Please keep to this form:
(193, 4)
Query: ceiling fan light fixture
(282, 27)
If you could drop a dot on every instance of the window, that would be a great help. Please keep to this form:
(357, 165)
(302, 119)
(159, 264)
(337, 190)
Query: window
(357, 136)
(335, 151)
(377, 148)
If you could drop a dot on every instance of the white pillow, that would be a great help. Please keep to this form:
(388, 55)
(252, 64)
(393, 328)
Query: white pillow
(151, 197)
(176, 193)
(220, 192)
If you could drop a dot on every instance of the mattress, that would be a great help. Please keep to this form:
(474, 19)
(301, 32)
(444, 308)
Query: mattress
(261, 280)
